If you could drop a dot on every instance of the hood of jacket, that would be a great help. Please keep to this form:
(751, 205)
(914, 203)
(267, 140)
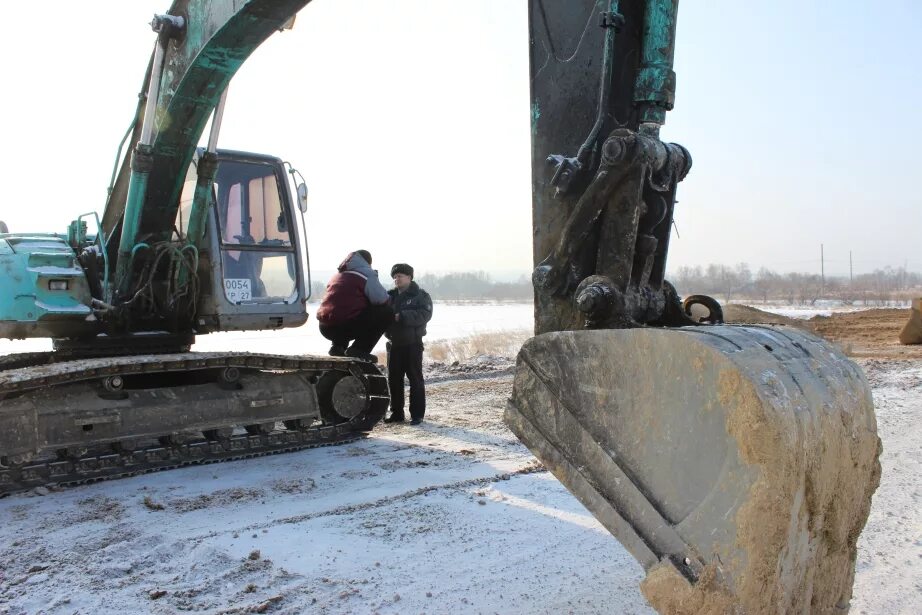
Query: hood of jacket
(355, 262)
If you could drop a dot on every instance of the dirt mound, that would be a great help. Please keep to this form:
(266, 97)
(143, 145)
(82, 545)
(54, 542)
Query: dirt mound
(912, 331)
(746, 314)
(866, 334)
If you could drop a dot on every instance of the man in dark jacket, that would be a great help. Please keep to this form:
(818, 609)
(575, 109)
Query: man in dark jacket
(355, 307)
(412, 310)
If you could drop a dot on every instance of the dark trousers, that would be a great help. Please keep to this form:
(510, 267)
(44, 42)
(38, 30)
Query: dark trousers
(407, 361)
(366, 329)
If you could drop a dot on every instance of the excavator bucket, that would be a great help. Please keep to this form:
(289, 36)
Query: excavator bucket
(912, 332)
(735, 463)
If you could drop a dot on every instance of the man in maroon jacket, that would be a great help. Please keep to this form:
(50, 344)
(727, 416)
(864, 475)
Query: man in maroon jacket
(355, 307)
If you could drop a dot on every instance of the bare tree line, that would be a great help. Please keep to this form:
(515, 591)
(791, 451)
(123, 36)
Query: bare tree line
(474, 285)
(461, 286)
(881, 287)
(726, 283)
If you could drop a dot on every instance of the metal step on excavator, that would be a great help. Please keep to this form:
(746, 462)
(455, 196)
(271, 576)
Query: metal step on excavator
(735, 463)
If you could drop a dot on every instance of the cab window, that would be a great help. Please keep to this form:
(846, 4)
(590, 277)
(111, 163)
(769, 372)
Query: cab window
(257, 251)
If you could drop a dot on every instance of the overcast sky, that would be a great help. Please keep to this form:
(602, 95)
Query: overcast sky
(410, 121)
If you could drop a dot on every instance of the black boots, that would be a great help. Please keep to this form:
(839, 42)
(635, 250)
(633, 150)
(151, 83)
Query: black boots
(362, 356)
(398, 418)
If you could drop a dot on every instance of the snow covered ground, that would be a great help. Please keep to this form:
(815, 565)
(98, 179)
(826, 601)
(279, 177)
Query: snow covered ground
(452, 517)
(889, 569)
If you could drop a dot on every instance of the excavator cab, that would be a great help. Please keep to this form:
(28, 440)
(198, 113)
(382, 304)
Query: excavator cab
(255, 273)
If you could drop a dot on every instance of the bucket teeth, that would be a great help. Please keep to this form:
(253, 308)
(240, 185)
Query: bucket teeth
(734, 462)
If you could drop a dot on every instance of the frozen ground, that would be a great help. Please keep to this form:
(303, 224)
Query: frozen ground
(889, 570)
(453, 517)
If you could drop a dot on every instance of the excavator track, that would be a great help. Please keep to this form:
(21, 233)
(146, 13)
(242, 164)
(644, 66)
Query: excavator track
(77, 422)
(25, 359)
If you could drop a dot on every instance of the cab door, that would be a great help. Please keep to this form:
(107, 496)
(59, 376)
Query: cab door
(254, 248)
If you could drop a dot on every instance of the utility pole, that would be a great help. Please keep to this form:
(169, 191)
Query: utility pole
(851, 274)
(822, 271)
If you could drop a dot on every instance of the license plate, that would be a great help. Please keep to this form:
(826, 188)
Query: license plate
(237, 289)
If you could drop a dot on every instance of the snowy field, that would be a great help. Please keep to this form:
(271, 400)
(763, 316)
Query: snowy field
(889, 569)
(450, 321)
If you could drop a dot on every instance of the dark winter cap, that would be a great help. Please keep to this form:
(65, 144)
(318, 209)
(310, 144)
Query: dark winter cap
(364, 254)
(402, 268)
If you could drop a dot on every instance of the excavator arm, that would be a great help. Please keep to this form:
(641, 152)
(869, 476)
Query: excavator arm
(736, 463)
(603, 183)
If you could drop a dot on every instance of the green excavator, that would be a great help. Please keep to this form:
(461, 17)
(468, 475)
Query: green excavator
(736, 463)
(191, 240)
